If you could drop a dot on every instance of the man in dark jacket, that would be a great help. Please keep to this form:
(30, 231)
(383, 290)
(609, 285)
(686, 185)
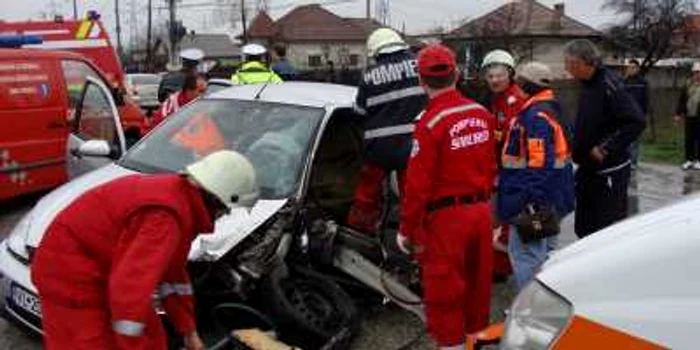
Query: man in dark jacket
(638, 88)
(389, 98)
(282, 67)
(608, 122)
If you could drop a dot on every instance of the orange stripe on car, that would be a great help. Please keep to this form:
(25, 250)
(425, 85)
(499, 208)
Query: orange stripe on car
(583, 334)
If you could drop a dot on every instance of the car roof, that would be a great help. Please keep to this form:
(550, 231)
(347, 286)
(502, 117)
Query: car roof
(298, 93)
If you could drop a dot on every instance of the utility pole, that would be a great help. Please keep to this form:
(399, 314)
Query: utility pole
(75, 9)
(172, 31)
(243, 21)
(149, 54)
(119, 29)
(368, 13)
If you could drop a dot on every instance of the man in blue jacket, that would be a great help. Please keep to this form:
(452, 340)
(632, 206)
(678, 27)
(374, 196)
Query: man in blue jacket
(537, 169)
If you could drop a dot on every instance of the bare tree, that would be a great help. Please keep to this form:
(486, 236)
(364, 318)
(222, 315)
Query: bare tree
(651, 27)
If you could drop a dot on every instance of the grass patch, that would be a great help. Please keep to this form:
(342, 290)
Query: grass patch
(668, 147)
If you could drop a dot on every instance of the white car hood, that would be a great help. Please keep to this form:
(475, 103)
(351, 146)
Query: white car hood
(229, 230)
(638, 276)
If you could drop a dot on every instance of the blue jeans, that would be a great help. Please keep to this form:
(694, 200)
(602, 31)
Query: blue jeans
(526, 259)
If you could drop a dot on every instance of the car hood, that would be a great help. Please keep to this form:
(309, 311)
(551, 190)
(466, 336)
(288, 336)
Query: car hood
(229, 230)
(637, 275)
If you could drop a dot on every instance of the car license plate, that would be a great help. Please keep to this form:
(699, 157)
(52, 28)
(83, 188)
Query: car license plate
(25, 300)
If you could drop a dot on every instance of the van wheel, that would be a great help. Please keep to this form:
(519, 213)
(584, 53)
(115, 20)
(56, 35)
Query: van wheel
(311, 311)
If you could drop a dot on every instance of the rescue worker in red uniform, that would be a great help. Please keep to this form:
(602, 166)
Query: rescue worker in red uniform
(193, 86)
(505, 101)
(445, 211)
(112, 249)
(389, 99)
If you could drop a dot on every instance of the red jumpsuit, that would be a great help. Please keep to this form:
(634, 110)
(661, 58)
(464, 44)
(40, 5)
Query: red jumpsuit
(107, 255)
(452, 158)
(505, 106)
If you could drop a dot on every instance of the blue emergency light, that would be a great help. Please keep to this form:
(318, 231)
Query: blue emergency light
(17, 41)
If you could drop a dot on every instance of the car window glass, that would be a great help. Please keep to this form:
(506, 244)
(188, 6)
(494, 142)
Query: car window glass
(96, 116)
(274, 137)
(144, 79)
(75, 73)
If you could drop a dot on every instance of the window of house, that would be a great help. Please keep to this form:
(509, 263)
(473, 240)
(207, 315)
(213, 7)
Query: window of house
(354, 60)
(315, 61)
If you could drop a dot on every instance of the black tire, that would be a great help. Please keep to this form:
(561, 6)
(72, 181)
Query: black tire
(311, 311)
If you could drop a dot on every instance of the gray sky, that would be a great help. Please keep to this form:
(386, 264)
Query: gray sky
(418, 15)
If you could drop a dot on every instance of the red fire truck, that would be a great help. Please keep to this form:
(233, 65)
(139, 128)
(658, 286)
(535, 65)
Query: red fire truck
(41, 88)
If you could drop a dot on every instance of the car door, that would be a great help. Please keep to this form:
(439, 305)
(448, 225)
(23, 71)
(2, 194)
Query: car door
(96, 123)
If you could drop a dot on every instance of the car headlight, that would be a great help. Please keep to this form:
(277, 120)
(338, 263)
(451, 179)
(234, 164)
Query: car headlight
(17, 239)
(536, 318)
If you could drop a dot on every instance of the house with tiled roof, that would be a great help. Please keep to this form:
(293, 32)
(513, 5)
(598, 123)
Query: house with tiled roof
(527, 28)
(315, 36)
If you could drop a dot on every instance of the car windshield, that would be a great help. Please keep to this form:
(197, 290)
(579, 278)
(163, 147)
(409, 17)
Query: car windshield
(274, 137)
(144, 79)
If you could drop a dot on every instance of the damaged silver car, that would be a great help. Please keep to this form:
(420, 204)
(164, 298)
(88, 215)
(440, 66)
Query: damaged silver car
(289, 265)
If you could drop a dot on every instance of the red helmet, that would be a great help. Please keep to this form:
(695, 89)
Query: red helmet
(436, 61)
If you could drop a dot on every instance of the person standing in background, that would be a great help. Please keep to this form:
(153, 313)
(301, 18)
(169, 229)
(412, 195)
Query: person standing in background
(638, 87)
(282, 67)
(688, 110)
(608, 122)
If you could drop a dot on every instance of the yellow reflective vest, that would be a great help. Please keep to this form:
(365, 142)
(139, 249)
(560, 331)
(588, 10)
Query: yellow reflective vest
(255, 72)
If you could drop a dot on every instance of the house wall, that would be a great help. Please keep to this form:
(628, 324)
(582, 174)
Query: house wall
(299, 53)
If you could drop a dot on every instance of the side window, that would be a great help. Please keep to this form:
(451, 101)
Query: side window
(75, 74)
(95, 119)
(315, 61)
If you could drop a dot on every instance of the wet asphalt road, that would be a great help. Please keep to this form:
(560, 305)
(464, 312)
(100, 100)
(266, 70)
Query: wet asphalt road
(389, 327)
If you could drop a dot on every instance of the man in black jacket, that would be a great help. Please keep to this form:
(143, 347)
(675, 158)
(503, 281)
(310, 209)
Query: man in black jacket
(638, 88)
(389, 98)
(608, 122)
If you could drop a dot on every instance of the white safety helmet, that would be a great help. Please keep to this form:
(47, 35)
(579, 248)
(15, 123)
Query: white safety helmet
(696, 67)
(192, 54)
(385, 41)
(498, 57)
(254, 50)
(536, 72)
(227, 175)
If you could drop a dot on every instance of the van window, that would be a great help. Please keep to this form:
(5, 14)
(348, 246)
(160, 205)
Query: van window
(75, 73)
(96, 120)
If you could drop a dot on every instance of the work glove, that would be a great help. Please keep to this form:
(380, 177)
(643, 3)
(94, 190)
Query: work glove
(193, 342)
(404, 244)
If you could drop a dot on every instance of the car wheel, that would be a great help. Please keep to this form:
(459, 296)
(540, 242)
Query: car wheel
(311, 311)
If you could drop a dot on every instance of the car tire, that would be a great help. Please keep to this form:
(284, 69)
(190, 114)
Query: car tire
(311, 311)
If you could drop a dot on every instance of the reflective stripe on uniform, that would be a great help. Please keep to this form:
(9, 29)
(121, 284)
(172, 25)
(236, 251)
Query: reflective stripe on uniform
(128, 328)
(167, 289)
(450, 111)
(389, 131)
(394, 95)
(359, 110)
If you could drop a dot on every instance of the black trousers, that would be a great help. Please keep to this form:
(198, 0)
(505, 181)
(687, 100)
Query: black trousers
(692, 138)
(601, 199)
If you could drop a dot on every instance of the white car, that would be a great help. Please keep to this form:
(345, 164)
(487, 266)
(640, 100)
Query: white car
(305, 143)
(143, 89)
(633, 285)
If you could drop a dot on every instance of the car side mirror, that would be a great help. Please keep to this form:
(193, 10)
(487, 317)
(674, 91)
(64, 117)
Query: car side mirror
(96, 148)
(118, 96)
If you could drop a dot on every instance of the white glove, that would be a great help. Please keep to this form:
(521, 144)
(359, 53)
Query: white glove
(403, 243)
